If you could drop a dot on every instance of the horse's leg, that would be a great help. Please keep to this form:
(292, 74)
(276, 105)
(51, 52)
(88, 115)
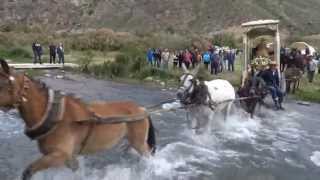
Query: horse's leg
(54, 159)
(192, 119)
(257, 110)
(294, 87)
(138, 135)
(287, 86)
(228, 110)
(203, 117)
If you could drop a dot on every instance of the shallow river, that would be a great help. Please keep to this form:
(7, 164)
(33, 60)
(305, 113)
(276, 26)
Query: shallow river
(276, 146)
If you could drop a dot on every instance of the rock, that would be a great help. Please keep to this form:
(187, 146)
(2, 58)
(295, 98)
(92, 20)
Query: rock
(148, 78)
(47, 75)
(304, 103)
(59, 77)
(162, 83)
(171, 106)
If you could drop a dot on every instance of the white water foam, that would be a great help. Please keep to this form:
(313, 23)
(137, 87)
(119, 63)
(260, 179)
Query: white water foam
(315, 158)
(171, 106)
(10, 125)
(172, 162)
(241, 128)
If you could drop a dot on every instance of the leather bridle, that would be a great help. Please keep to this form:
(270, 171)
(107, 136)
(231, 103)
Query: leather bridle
(184, 90)
(16, 96)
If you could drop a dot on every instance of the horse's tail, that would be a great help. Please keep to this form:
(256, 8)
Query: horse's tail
(151, 137)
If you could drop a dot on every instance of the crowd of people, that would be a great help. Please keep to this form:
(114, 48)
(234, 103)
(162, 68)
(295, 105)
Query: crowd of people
(215, 59)
(54, 50)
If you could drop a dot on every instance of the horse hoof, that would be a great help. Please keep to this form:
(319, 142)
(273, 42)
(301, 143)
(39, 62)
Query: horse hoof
(73, 164)
(27, 174)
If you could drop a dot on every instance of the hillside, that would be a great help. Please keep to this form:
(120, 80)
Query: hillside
(142, 16)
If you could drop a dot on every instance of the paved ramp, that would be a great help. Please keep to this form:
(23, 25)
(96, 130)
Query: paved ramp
(41, 66)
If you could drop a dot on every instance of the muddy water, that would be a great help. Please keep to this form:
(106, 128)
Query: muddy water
(275, 146)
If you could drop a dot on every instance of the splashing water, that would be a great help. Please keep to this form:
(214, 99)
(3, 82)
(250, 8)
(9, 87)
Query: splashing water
(315, 158)
(9, 125)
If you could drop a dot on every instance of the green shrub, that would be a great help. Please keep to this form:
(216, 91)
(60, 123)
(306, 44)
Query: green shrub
(19, 52)
(15, 52)
(225, 39)
(85, 61)
(101, 40)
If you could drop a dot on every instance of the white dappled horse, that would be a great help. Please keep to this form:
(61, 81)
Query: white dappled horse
(204, 98)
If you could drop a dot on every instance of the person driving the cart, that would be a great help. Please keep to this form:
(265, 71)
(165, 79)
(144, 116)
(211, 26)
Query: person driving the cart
(271, 78)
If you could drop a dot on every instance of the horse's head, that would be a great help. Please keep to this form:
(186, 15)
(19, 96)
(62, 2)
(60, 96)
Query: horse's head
(187, 83)
(9, 86)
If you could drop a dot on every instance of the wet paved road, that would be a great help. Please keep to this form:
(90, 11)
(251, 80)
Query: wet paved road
(276, 146)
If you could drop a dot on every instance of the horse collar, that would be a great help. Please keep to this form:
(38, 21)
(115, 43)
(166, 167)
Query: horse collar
(54, 111)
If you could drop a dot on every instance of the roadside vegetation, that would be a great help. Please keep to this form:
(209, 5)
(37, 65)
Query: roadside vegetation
(309, 91)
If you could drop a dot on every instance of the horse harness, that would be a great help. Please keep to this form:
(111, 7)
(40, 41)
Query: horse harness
(53, 114)
(190, 97)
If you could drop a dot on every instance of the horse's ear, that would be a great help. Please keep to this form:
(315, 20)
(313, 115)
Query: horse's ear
(5, 66)
(196, 70)
(184, 68)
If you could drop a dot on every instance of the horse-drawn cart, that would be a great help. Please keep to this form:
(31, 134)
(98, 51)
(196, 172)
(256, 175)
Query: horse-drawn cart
(261, 40)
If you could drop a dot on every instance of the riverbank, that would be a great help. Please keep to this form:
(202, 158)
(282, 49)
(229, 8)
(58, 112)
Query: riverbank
(123, 58)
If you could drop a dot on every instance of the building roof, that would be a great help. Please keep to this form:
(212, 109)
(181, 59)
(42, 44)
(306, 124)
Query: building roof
(261, 22)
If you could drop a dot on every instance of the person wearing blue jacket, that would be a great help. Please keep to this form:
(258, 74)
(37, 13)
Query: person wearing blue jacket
(215, 62)
(150, 56)
(206, 59)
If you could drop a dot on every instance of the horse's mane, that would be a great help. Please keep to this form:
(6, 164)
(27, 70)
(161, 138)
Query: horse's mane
(200, 93)
(43, 87)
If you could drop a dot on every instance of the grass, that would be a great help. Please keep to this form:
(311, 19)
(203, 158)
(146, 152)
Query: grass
(309, 91)
(17, 54)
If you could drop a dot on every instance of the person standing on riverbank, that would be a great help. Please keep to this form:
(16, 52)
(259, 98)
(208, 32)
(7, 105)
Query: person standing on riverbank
(214, 62)
(311, 67)
(60, 52)
(206, 59)
(165, 55)
(53, 51)
(37, 52)
(173, 61)
(231, 56)
(187, 58)
(157, 57)
(150, 57)
(180, 58)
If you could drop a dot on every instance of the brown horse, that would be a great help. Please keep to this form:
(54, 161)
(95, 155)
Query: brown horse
(255, 92)
(64, 126)
(293, 76)
(293, 59)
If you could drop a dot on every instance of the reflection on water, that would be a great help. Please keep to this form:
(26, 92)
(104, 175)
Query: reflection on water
(278, 146)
